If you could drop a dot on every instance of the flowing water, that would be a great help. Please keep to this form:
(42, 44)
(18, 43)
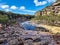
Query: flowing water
(28, 25)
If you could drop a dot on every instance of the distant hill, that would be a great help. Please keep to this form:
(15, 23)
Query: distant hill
(15, 15)
(8, 17)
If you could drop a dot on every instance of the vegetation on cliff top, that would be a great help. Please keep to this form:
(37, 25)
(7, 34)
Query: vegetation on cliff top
(48, 19)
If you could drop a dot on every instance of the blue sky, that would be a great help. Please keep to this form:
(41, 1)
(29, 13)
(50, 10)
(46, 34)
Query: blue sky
(24, 6)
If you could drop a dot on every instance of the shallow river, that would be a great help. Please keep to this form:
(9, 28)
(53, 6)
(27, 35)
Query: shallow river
(28, 25)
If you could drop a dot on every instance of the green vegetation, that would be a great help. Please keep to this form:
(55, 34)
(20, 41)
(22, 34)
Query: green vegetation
(50, 22)
(11, 18)
(3, 18)
(15, 15)
(49, 19)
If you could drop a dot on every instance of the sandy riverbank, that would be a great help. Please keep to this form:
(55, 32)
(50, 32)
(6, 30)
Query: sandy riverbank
(53, 29)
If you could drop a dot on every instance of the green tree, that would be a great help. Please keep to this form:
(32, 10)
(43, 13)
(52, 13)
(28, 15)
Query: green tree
(3, 18)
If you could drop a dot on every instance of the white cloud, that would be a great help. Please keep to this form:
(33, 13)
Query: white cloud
(13, 7)
(37, 3)
(4, 6)
(29, 11)
(7, 10)
(40, 3)
(51, 1)
(22, 7)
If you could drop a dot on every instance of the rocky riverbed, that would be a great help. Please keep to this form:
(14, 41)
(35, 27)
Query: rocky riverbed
(16, 35)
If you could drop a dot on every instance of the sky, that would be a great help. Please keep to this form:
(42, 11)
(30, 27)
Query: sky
(24, 6)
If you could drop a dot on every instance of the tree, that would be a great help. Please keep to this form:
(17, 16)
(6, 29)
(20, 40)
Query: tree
(3, 18)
